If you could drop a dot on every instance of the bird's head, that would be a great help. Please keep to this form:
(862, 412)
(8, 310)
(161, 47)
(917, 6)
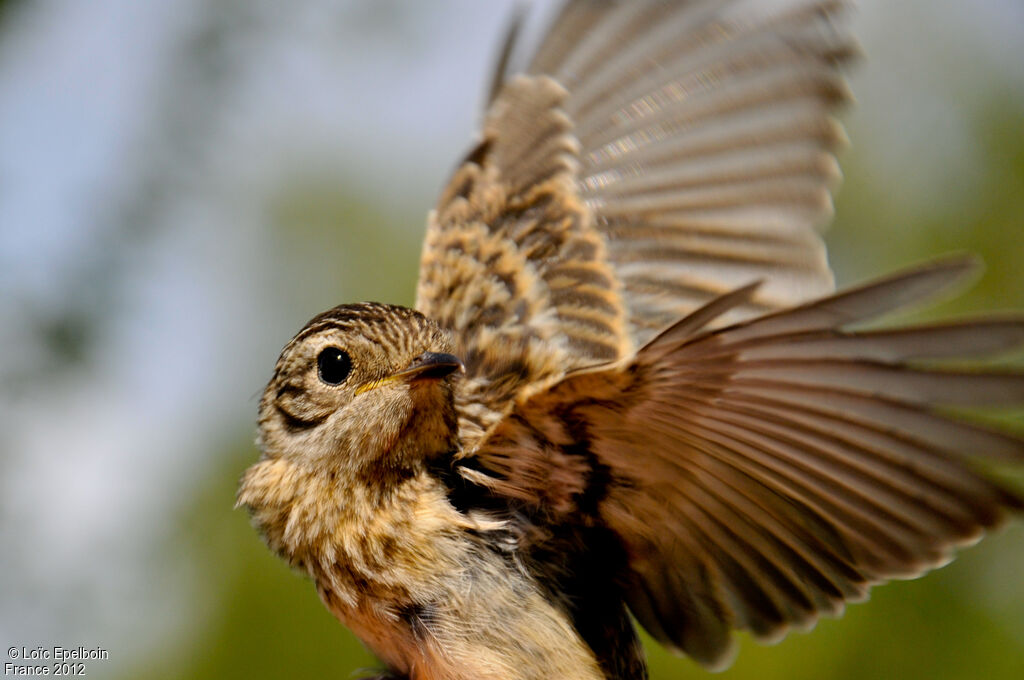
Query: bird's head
(363, 388)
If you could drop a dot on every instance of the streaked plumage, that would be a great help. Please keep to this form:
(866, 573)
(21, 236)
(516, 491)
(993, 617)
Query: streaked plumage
(656, 410)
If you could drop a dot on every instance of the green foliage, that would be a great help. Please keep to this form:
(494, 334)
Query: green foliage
(344, 247)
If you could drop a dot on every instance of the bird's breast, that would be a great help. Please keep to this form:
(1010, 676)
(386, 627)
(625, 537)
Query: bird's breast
(430, 592)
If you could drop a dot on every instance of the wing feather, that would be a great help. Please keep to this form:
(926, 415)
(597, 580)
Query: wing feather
(706, 112)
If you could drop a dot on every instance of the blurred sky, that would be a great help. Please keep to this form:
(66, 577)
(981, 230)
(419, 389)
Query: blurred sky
(147, 153)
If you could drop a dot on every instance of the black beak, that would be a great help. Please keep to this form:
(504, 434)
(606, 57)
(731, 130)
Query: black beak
(431, 366)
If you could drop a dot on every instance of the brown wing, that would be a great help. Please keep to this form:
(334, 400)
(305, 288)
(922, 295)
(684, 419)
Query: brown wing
(762, 474)
(656, 154)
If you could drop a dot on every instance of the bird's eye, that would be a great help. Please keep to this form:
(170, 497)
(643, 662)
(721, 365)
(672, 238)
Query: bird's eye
(333, 365)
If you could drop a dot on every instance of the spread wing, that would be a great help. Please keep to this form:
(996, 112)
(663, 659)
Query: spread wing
(653, 156)
(761, 474)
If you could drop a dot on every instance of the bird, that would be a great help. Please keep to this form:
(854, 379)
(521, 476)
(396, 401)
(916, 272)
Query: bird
(629, 394)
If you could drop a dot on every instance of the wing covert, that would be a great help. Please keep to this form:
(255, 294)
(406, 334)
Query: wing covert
(511, 263)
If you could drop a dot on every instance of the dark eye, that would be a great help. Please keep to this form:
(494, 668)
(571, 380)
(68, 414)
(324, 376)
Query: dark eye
(333, 365)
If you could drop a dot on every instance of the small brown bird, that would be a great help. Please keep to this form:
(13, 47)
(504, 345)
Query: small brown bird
(614, 398)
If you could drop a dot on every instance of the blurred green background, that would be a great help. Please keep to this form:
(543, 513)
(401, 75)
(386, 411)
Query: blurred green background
(183, 184)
